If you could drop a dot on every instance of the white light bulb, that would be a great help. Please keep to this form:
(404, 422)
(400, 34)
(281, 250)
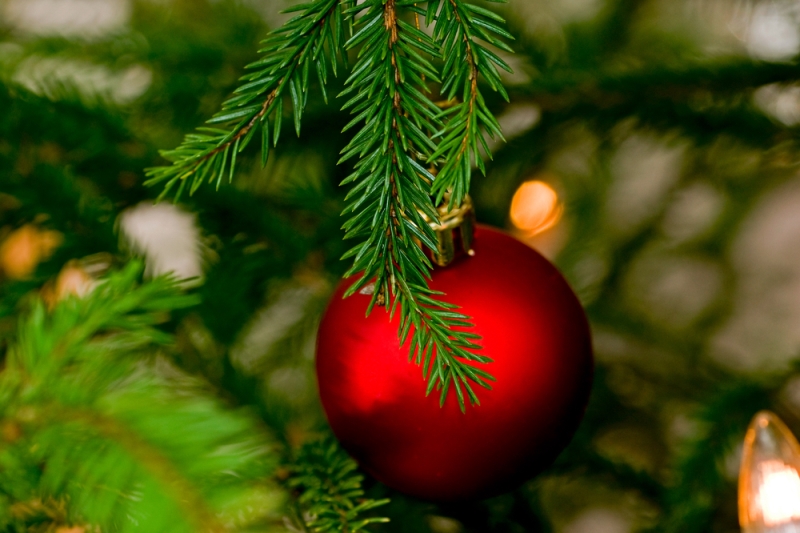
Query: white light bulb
(769, 479)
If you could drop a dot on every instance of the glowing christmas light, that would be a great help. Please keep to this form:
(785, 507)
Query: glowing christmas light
(535, 207)
(23, 250)
(769, 478)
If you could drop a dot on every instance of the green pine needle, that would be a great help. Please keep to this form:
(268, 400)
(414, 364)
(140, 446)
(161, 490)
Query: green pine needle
(109, 440)
(391, 198)
(460, 27)
(331, 498)
(391, 194)
(311, 40)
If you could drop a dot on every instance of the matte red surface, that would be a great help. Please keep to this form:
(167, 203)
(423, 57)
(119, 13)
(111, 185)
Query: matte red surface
(532, 326)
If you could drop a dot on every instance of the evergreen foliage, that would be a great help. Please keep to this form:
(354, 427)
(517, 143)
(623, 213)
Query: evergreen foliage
(80, 398)
(391, 201)
(331, 493)
(311, 40)
(150, 406)
(460, 27)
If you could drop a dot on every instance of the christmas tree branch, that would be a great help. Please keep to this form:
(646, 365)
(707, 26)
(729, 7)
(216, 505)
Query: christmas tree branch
(330, 495)
(124, 448)
(311, 40)
(390, 201)
(129, 447)
(390, 206)
(458, 27)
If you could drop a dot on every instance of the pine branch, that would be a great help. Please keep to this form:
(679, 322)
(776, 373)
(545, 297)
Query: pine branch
(50, 343)
(390, 199)
(311, 40)
(331, 498)
(123, 449)
(459, 26)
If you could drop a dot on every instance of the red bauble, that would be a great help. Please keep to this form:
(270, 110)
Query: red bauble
(531, 324)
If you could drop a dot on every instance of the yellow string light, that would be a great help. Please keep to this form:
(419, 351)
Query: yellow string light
(769, 478)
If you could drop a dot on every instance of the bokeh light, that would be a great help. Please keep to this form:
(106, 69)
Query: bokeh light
(779, 496)
(535, 207)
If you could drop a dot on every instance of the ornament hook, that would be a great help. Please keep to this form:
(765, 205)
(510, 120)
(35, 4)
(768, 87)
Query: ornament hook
(455, 231)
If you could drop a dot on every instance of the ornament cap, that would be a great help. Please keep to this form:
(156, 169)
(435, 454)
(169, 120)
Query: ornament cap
(455, 231)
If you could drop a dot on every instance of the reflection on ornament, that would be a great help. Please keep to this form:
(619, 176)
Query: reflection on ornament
(769, 478)
(535, 207)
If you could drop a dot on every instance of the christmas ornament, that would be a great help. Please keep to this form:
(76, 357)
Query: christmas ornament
(769, 478)
(531, 324)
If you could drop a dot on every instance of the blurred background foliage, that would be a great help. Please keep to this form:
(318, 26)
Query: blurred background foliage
(661, 137)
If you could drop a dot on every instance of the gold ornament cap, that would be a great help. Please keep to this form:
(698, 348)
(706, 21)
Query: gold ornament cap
(455, 232)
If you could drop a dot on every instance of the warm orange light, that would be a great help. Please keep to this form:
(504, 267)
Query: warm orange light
(769, 479)
(73, 280)
(23, 250)
(535, 207)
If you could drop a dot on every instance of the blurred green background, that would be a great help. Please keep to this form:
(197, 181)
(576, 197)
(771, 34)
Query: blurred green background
(663, 138)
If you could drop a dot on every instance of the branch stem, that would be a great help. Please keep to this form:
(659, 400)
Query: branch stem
(473, 77)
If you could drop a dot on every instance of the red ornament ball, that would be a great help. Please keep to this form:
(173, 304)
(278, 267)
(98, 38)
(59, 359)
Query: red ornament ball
(531, 325)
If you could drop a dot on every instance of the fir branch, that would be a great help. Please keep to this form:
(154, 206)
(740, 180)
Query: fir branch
(310, 40)
(458, 28)
(121, 446)
(119, 313)
(331, 498)
(390, 199)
